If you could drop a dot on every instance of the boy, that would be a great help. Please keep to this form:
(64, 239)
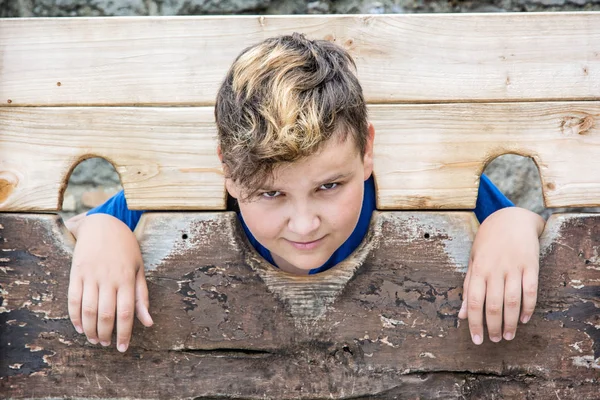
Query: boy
(297, 151)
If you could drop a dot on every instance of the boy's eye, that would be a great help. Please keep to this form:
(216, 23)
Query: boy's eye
(328, 186)
(272, 194)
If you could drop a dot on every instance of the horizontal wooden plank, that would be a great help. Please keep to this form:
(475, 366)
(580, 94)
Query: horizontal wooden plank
(166, 158)
(401, 58)
(426, 156)
(432, 156)
(228, 324)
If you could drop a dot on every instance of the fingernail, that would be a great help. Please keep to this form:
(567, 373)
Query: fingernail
(509, 336)
(495, 339)
(477, 339)
(93, 341)
(526, 319)
(105, 344)
(122, 347)
(78, 329)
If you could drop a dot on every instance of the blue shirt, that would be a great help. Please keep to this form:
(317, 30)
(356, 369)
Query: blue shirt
(489, 200)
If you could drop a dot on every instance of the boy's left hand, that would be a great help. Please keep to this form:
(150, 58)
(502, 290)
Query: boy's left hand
(503, 265)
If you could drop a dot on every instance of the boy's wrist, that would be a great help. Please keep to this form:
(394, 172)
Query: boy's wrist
(521, 216)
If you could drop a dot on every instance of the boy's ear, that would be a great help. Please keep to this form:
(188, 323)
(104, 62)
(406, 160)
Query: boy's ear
(229, 185)
(368, 158)
(231, 188)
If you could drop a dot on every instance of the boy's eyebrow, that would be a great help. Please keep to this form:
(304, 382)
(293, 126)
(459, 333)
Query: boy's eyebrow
(331, 179)
(334, 178)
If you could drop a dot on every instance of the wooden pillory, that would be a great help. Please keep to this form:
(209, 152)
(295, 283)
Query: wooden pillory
(446, 93)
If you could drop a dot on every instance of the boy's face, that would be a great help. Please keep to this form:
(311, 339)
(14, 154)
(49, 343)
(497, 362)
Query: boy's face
(311, 207)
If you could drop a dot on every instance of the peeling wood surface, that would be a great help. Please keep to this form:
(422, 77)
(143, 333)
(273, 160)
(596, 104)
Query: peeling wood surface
(426, 156)
(400, 58)
(227, 324)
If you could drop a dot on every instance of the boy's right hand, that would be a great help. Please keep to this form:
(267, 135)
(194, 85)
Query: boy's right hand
(107, 281)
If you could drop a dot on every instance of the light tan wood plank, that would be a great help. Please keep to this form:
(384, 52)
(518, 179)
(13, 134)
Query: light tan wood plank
(166, 157)
(426, 156)
(401, 58)
(432, 156)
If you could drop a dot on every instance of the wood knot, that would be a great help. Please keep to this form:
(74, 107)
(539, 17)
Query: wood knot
(9, 101)
(8, 183)
(576, 125)
(58, 83)
(550, 186)
(349, 43)
(330, 37)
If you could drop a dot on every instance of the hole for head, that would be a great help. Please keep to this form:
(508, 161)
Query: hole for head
(426, 236)
(184, 236)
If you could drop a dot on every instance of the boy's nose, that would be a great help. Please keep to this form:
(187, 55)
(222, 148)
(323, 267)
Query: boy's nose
(303, 224)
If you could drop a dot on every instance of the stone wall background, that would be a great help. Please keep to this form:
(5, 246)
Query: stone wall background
(73, 8)
(94, 180)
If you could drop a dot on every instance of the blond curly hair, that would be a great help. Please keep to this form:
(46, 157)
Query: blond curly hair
(281, 100)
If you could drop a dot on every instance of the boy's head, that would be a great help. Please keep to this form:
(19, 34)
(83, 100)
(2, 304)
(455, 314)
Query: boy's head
(296, 146)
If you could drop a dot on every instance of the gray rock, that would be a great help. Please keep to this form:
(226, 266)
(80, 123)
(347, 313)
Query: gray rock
(318, 7)
(519, 179)
(373, 8)
(544, 2)
(71, 8)
(95, 172)
(198, 7)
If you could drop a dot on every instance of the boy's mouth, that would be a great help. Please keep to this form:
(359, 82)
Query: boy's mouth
(306, 245)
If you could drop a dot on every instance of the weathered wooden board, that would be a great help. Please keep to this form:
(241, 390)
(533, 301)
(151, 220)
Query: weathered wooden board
(426, 156)
(401, 58)
(383, 324)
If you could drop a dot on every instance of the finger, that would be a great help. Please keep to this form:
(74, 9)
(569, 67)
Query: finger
(142, 302)
(89, 311)
(477, 290)
(512, 305)
(463, 314)
(125, 308)
(106, 314)
(530, 288)
(494, 301)
(75, 293)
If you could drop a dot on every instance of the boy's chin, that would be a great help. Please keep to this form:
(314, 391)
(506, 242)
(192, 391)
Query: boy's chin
(303, 264)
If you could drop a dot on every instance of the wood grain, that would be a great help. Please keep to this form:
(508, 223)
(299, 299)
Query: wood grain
(426, 156)
(223, 328)
(166, 157)
(401, 58)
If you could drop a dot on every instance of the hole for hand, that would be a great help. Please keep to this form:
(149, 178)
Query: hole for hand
(518, 178)
(90, 184)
